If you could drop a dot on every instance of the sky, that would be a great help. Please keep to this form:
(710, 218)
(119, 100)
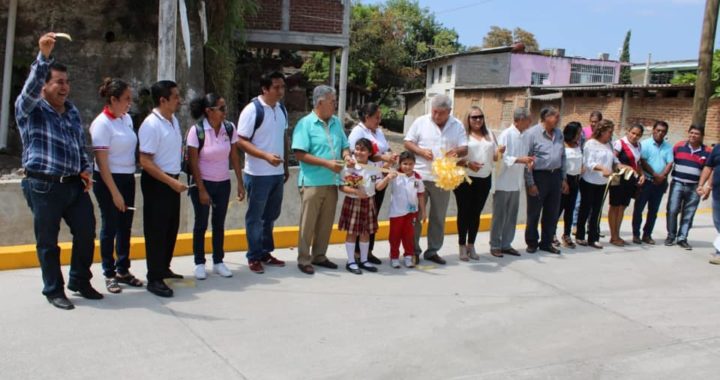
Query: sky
(668, 29)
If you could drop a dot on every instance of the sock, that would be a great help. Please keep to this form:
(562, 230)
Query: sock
(350, 249)
(364, 252)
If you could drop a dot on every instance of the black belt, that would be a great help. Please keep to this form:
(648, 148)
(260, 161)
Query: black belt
(54, 178)
(176, 176)
(551, 171)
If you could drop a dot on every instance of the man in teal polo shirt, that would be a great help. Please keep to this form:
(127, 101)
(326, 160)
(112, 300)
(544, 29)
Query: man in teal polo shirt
(656, 158)
(319, 142)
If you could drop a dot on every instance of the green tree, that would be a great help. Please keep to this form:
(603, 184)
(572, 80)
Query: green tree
(498, 36)
(691, 78)
(527, 38)
(625, 77)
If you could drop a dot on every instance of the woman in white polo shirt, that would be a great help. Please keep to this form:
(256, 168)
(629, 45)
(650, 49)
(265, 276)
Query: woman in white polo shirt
(209, 152)
(114, 142)
(369, 128)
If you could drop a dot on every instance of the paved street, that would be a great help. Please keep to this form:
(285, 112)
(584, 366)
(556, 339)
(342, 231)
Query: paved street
(633, 313)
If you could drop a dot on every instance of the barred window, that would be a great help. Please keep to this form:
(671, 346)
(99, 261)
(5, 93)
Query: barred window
(538, 78)
(580, 73)
(448, 75)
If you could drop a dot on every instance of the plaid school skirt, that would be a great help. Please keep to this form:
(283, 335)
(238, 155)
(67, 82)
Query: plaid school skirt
(358, 216)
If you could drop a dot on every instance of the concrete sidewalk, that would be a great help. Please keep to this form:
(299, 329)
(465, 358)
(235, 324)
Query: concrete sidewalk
(637, 313)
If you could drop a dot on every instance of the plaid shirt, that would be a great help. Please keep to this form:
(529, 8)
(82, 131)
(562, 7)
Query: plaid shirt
(53, 144)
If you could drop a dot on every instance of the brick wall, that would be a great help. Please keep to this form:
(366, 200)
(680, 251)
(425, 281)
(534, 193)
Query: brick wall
(492, 102)
(316, 16)
(579, 109)
(268, 17)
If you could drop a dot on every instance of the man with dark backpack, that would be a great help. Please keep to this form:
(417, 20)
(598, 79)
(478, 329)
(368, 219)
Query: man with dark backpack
(262, 130)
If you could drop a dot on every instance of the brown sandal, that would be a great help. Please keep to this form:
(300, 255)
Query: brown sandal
(496, 252)
(129, 279)
(112, 285)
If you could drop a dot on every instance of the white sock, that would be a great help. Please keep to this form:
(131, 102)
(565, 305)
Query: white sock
(364, 247)
(350, 248)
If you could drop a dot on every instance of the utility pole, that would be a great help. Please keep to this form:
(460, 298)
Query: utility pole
(703, 84)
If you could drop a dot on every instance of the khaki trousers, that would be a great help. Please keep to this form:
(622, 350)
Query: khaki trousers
(317, 213)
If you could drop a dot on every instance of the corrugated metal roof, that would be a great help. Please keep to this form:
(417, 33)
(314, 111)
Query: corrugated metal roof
(502, 49)
(582, 87)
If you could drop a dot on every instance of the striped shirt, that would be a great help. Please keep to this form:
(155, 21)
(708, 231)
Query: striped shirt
(689, 162)
(53, 144)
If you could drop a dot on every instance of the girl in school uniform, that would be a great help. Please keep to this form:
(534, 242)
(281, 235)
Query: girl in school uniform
(359, 215)
(407, 192)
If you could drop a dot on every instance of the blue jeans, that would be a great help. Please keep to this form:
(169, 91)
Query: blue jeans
(219, 193)
(115, 226)
(683, 199)
(716, 217)
(265, 195)
(51, 202)
(650, 195)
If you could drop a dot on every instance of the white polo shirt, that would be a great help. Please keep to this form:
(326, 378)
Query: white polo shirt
(116, 136)
(269, 137)
(162, 138)
(427, 135)
(404, 192)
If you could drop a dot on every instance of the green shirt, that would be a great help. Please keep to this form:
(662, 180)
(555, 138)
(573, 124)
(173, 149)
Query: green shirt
(311, 135)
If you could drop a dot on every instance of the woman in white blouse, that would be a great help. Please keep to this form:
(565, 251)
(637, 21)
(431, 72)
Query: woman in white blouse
(471, 197)
(573, 170)
(114, 142)
(369, 128)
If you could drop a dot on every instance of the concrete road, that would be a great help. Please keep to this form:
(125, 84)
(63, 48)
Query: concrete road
(634, 313)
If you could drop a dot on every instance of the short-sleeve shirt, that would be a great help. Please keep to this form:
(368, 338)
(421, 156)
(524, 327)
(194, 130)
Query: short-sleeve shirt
(404, 192)
(269, 137)
(628, 153)
(377, 138)
(657, 156)
(427, 135)
(370, 177)
(162, 139)
(689, 162)
(483, 152)
(573, 160)
(116, 136)
(215, 153)
(714, 162)
(323, 140)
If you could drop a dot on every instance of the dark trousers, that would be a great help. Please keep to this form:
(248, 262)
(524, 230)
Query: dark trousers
(591, 205)
(650, 195)
(545, 204)
(568, 202)
(51, 202)
(161, 214)
(470, 199)
(379, 196)
(115, 225)
(219, 193)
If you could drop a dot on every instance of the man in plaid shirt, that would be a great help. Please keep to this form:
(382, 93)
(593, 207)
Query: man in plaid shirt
(57, 175)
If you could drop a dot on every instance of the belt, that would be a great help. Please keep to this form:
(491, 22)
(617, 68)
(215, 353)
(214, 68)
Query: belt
(176, 176)
(551, 171)
(54, 178)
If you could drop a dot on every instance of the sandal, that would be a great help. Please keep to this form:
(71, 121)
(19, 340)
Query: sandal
(567, 242)
(112, 285)
(582, 242)
(129, 279)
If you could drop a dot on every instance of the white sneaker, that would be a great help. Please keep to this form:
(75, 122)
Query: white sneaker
(222, 270)
(200, 273)
(395, 263)
(409, 262)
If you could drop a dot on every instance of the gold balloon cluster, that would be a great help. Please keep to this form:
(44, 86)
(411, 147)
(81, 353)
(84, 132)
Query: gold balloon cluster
(448, 175)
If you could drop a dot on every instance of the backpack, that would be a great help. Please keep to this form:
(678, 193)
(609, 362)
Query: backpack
(200, 132)
(260, 115)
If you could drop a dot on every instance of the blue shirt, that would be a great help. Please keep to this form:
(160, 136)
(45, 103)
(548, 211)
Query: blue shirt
(53, 143)
(656, 156)
(312, 135)
(714, 162)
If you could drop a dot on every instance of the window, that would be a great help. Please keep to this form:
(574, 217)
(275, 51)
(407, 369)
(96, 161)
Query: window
(432, 76)
(537, 79)
(448, 75)
(580, 73)
(440, 74)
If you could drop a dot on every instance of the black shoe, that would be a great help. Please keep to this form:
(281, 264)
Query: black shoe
(436, 259)
(353, 268)
(684, 244)
(550, 249)
(159, 288)
(61, 302)
(373, 259)
(86, 291)
(307, 269)
(367, 267)
(171, 274)
(327, 264)
(531, 249)
(669, 242)
(510, 251)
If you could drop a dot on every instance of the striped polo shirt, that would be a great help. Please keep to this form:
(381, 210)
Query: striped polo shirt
(689, 162)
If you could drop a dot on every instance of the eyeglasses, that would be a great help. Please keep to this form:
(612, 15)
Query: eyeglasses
(219, 108)
(477, 117)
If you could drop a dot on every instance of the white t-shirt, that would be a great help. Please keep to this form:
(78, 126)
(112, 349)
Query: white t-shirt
(481, 151)
(370, 177)
(116, 136)
(269, 137)
(511, 173)
(162, 138)
(427, 135)
(377, 138)
(404, 192)
(573, 160)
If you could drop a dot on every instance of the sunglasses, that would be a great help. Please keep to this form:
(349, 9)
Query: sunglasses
(477, 117)
(219, 108)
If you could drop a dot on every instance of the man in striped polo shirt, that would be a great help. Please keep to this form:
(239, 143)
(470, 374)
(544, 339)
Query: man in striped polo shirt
(689, 159)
